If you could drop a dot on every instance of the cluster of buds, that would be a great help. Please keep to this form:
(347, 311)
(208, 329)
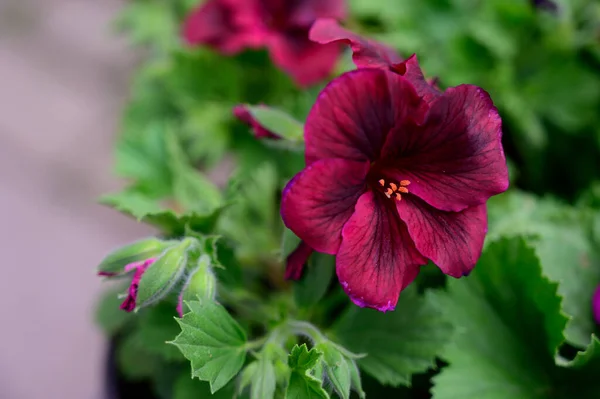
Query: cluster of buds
(158, 268)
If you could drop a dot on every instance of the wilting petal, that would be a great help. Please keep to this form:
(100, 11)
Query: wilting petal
(307, 11)
(354, 113)
(365, 53)
(305, 61)
(455, 159)
(596, 305)
(411, 70)
(128, 304)
(296, 261)
(452, 240)
(241, 112)
(320, 199)
(377, 258)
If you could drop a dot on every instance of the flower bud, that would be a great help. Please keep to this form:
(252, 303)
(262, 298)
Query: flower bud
(117, 261)
(201, 283)
(162, 275)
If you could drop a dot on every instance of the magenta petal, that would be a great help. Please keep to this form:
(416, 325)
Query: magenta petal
(241, 112)
(307, 11)
(128, 304)
(366, 53)
(377, 258)
(320, 199)
(596, 305)
(452, 240)
(296, 261)
(455, 159)
(354, 113)
(305, 61)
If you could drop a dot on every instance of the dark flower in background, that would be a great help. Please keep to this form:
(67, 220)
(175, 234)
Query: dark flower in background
(547, 5)
(395, 176)
(281, 26)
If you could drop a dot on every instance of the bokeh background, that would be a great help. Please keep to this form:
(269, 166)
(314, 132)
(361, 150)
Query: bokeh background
(63, 80)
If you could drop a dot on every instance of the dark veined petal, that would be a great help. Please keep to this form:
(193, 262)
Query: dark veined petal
(452, 240)
(296, 261)
(319, 200)
(377, 258)
(354, 113)
(241, 112)
(305, 61)
(366, 53)
(455, 159)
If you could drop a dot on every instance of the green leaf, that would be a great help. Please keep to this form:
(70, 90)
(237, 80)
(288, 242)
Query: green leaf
(116, 261)
(317, 276)
(162, 275)
(591, 356)
(133, 361)
(338, 368)
(508, 327)
(302, 384)
(213, 342)
(191, 189)
(108, 314)
(397, 343)
(146, 210)
(155, 326)
(187, 388)
(263, 380)
(277, 122)
(561, 237)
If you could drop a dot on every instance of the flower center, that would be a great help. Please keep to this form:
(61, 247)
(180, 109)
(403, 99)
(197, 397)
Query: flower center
(392, 189)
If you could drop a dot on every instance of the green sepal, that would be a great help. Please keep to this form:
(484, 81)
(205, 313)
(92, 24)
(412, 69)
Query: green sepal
(115, 262)
(201, 283)
(163, 274)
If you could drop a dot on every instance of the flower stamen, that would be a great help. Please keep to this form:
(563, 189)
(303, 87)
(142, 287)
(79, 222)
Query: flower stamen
(394, 189)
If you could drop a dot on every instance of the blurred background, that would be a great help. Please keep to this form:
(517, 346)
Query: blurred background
(63, 81)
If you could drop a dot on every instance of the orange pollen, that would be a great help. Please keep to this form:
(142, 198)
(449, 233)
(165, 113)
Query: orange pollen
(394, 189)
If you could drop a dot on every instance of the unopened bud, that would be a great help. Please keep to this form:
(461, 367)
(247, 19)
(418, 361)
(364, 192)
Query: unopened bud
(201, 283)
(162, 275)
(115, 263)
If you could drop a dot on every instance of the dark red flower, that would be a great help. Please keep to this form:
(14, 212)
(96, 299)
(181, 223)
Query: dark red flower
(394, 179)
(368, 53)
(243, 114)
(280, 25)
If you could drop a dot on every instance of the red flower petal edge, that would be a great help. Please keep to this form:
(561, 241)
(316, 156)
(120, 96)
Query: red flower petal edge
(128, 304)
(242, 113)
(296, 261)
